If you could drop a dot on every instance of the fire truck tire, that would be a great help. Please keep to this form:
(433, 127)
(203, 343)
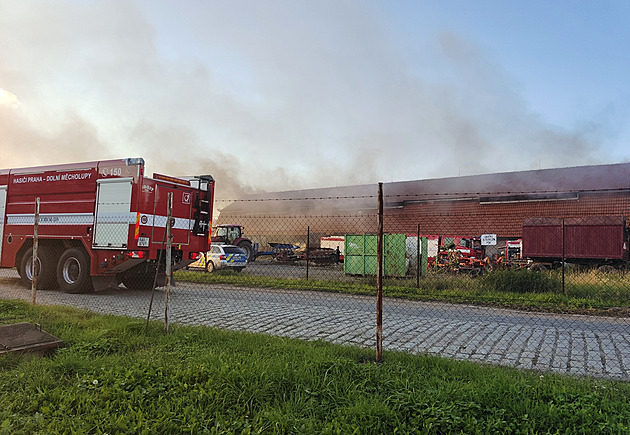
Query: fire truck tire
(46, 260)
(249, 251)
(73, 271)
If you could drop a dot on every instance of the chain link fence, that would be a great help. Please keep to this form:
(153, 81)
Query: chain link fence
(554, 294)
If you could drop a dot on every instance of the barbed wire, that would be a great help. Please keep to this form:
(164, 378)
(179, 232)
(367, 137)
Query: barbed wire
(444, 195)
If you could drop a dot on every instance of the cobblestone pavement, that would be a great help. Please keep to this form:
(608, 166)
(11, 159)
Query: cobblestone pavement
(571, 344)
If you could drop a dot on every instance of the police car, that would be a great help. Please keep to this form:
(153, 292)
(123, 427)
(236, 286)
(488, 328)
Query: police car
(225, 257)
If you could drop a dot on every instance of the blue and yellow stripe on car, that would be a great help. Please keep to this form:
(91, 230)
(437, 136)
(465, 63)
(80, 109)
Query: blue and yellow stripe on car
(234, 258)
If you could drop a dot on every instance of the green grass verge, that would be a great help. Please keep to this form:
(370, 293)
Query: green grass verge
(585, 293)
(112, 377)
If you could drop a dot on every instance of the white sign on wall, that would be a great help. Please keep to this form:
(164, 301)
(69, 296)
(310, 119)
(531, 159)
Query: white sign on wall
(488, 239)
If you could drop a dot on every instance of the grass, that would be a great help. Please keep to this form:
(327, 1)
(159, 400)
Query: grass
(586, 292)
(112, 377)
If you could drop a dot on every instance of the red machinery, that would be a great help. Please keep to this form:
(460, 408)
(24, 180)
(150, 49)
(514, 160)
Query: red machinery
(460, 254)
(101, 223)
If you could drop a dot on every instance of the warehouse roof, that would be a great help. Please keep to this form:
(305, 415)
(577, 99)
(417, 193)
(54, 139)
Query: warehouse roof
(541, 184)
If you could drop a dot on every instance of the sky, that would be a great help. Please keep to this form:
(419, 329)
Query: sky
(288, 94)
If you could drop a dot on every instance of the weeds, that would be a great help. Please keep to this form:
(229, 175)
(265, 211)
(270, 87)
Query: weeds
(520, 281)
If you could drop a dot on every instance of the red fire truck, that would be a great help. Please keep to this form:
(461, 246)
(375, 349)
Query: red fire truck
(101, 223)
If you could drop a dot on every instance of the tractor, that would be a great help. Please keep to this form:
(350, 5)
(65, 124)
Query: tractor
(228, 234)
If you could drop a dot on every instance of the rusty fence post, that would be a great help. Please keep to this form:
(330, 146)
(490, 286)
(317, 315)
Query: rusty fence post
(169, 243)
(35, 268)
(155, 278)
(424, 263)
(308, 248)
(564, 291)
(379, 277)
(418, 257)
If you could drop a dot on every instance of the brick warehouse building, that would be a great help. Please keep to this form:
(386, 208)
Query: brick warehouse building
(467, 206)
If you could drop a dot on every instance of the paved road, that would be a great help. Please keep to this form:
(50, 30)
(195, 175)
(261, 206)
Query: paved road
(580, 345)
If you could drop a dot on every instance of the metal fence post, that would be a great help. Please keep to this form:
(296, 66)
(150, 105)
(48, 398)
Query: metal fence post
(379, 277)
(425, 256)
(35, 269)
(169, 242)
(564, 291)
(418, 257)
(308, 247)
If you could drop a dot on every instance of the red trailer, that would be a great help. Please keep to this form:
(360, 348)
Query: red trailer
(101, 223)
(592, 240)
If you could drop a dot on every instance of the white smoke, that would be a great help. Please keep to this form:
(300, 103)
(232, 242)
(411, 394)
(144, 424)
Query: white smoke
(263, 95)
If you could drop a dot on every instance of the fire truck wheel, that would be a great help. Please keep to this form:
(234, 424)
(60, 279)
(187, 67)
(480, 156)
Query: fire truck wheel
(73, 271)
(46, 262)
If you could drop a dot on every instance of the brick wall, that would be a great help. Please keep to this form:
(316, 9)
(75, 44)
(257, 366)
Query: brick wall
(464, 217)
(470, 217)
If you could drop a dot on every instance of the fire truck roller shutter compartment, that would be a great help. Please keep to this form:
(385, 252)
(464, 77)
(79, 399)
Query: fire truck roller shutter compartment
(113, 213)
(3, 202)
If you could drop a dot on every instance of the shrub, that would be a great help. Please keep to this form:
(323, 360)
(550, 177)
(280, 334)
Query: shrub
(520, 281)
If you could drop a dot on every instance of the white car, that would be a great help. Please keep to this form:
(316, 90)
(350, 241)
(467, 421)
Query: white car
(225, 257)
